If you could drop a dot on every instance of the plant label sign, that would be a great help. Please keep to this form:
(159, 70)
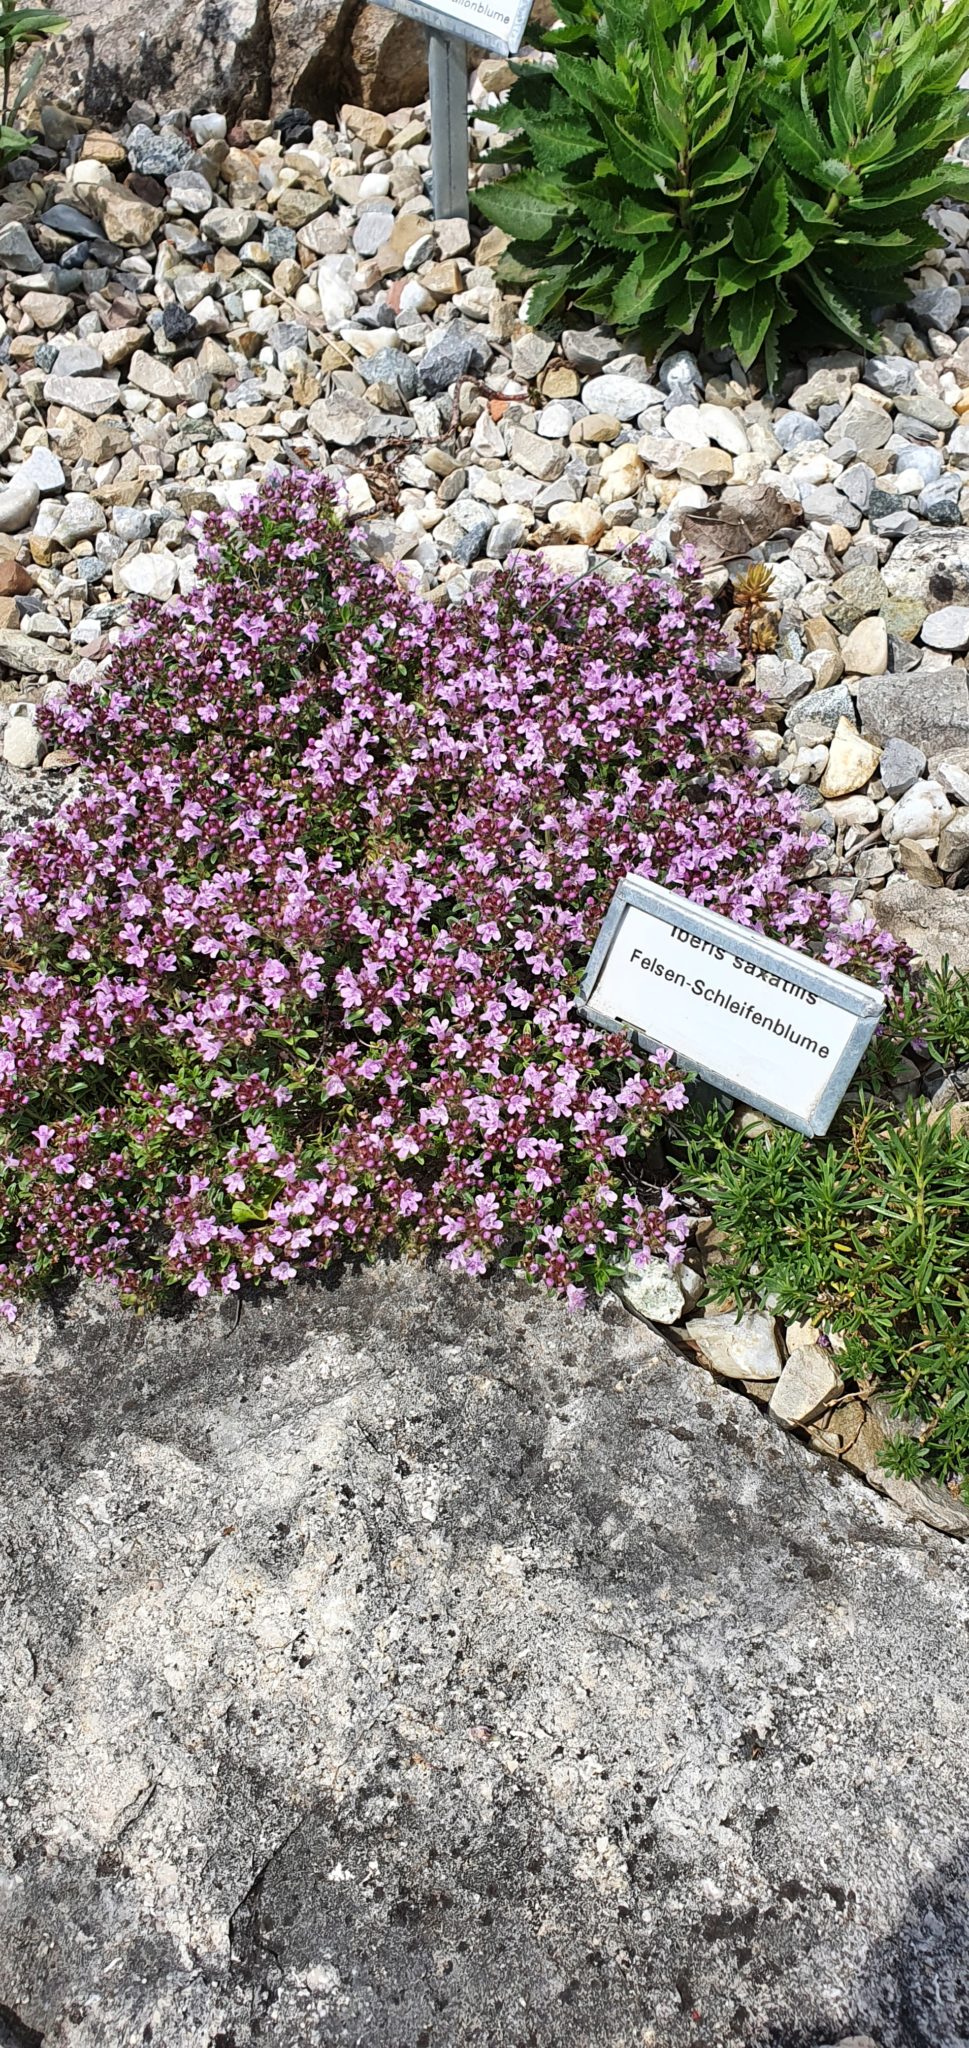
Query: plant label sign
(761, 1021)
(492, 24)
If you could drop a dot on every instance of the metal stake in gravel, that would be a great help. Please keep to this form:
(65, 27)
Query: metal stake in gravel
(447, 70)
(491, 24)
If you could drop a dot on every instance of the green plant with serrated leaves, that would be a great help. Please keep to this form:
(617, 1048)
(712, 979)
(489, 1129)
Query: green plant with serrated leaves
(20, 27)
(718, 173)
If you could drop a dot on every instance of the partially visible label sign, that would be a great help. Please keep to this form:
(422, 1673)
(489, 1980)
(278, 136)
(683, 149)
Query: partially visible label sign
(765, 1023)
(494, 24)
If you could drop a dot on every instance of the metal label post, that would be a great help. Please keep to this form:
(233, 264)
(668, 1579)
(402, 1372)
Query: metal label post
(447, 66)
(491, 25)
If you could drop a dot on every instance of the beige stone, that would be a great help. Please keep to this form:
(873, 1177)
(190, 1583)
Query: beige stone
(566, 561)
(622, 479)
(127, 221)
(559, 381)
(367, 126)
(47, 310)
(580, 522)
(442, 280)
(852, 761)
(491, 246)
(597, 426)
(807, 1385)
(865, 651)
(407, 229)
(819, 632)
(102, 148)
(917, 863)
(118, 344)
(706, 466)
(825, 665)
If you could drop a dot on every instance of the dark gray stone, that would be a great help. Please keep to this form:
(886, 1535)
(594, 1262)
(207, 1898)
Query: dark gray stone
(280, 243)
(17, 252)
(882, 504)
(458, 352)
(417, 1663)
(391, 366)
(65, 219)
(901, 764)
(939, 502)
(157, 153)
(823, 707)
(891, 375)
(472, 543)
(939, 306)
(177, 324)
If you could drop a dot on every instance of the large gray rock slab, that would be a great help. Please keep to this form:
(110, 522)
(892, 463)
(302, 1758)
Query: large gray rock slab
(928, 707)
(934, 922)
(245, 56)
(931, 566)
(416, 1663)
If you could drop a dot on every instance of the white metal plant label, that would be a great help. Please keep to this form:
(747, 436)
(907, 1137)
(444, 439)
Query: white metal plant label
(493, 24)
(765, 1023)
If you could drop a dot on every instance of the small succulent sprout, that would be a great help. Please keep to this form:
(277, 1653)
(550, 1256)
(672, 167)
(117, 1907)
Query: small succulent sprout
(754, 585)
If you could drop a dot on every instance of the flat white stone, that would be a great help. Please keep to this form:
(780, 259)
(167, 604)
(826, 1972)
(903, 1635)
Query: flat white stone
(920, 813)
(807, 1385)
(652, 1291)
(150, 575)
(725, 428)
(21, 743)
(685, 424)
(622, 397)
(19, 500)
(948, 628)
(744, 1350)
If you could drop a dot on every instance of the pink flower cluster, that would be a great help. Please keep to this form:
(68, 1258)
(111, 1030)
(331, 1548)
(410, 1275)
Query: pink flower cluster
(294, 978)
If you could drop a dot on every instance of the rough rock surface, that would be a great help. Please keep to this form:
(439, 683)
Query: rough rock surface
(244, 56)
(414, 1663)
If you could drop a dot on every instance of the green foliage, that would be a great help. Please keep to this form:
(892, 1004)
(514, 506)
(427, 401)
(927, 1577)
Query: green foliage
(719, 170)
(19, 28)
(866, 1234)
(943, 1018)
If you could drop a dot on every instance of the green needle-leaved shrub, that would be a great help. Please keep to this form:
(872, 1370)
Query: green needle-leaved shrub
(719, 170)
(865, 1232)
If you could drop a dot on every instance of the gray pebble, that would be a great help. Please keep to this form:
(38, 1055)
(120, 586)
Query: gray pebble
(940, 306)
(459, 352)
(795, 430)
(891, 375)
(901, 764)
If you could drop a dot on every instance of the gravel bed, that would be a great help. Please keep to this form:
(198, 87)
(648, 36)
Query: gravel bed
(184, 309)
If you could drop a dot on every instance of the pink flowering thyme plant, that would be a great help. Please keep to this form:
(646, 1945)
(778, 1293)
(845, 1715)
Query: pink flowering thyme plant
(294, 978)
